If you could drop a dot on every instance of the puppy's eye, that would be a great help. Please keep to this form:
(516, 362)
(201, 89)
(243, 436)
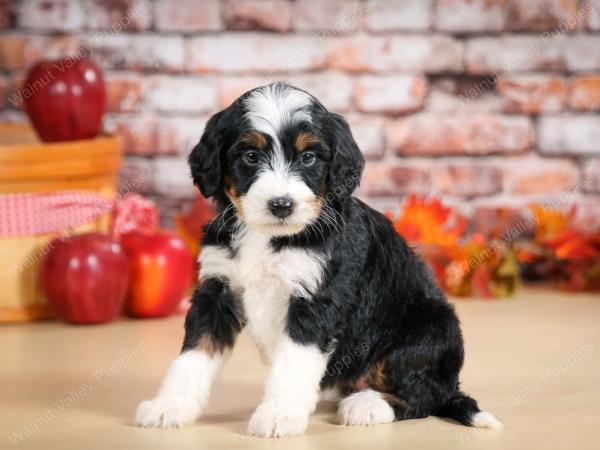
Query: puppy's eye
(308, 158)
(250, 157)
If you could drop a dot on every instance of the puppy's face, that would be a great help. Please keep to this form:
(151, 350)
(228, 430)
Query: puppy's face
(279, 156)
(276, 172)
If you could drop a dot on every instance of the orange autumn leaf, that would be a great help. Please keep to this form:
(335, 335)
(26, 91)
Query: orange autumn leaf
(550, 223)
(427, 221)
(463, 265)
(563, 251)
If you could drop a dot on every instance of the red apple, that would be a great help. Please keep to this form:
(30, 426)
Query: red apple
(65, 99)
(85, 278)
(161, 268)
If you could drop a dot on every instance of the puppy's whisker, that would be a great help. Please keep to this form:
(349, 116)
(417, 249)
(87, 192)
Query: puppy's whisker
(326, 220)
(319, 229)
(317, 224)
(221, 227)
(329, 210)
(220, 215)
(331, 221)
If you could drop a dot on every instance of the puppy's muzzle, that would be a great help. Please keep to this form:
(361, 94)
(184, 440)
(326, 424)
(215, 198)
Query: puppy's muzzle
(281, 207)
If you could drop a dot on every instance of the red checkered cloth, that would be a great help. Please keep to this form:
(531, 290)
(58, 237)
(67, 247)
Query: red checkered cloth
(134, 212)
(35, 214)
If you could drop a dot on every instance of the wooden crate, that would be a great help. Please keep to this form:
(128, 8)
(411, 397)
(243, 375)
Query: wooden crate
(28, 165)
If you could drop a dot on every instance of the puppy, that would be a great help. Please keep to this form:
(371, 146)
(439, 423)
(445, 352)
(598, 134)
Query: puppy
(334, 299)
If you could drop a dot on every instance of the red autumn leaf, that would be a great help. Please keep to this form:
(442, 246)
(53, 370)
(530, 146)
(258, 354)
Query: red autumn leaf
(190, 223)
(427, 221)
(578, 248)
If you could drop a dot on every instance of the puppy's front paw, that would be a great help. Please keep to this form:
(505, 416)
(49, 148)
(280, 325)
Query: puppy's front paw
(167, 412)
(271, 420)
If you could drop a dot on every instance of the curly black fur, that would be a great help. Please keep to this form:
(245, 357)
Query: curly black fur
(378, 310)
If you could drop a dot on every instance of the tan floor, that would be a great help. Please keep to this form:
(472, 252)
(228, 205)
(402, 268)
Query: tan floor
(534, 360)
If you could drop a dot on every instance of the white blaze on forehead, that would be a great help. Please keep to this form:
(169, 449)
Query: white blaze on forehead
(270, 109)
(274, 106)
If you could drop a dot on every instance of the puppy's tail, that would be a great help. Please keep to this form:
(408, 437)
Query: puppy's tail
(464, 409)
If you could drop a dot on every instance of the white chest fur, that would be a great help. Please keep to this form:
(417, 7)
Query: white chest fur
(265, 280)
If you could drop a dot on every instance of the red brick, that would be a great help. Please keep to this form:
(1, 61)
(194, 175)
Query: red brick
(181, 94)
(569, 135)
(54, 47)
(468, 179)
(123, 92)
(230, 88)
(147, 135)
(451, 95)
(188, 15)
(532, 94)
(120, 15)
(14, 94)
(369, 134)
(136, 175)
(592, 11)
(6, 11)
(59, 15)
(384, 204)
(3, 89)
(254, 52)
(139, 134)
(527, 176)
(399, 15)
(468, 16)
(172, 177)
(331, 16)
(151, 52)
(432, 54)
(334, 90)
(486, 55)
(544, 15)
(389, 179)
(584, 93)
(591, 175)
(12, 52)
(272, 15)
(587, 214)
(21, 51)
(582, 53)
(442, 134)
(390, 94)
(179, 134)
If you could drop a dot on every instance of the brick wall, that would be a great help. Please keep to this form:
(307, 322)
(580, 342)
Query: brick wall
(484, 102)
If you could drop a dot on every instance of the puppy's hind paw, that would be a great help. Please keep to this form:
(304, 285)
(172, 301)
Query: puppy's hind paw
(166, 412)
(365, 408)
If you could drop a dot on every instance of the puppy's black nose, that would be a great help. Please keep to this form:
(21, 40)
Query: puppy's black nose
(281, 206)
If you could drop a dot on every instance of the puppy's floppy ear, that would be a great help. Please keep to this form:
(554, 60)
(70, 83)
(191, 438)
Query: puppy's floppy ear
(347, 162)
(205, 158)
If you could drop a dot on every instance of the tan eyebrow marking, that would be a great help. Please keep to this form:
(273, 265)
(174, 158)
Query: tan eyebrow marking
(255, 139)
(305, 140)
